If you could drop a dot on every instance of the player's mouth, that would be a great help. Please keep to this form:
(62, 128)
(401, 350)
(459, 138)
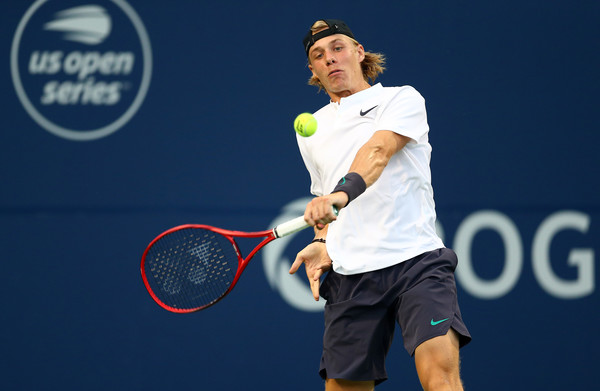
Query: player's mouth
(335, 72)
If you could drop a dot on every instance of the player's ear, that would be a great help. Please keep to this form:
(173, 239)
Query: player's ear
(361, 52)
(314, 75)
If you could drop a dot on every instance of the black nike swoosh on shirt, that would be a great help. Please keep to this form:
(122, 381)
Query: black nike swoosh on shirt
(363, 113)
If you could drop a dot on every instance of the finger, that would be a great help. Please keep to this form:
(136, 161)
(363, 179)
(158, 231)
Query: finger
(308, 217)
(326, 215)
(325, 212)
(318, 274)
(296, 265)
(315, 214)
(332, 216)
(314, 287)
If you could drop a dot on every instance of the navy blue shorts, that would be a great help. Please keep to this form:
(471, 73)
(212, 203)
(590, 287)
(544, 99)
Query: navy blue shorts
(362, 310)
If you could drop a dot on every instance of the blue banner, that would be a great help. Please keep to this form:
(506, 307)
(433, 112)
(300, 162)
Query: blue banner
(123, 118)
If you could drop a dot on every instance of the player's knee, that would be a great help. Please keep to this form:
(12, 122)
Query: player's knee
(438, 364)
(441, 383)
(440, 374)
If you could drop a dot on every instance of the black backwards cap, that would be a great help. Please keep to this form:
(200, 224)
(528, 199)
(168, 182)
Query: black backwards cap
(334, 27)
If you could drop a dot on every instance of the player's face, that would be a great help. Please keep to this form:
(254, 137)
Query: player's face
(335, 61)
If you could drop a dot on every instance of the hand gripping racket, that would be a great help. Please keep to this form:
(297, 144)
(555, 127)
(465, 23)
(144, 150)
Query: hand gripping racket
(191, 267)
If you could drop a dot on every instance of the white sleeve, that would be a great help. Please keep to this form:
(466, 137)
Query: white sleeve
(404, 114)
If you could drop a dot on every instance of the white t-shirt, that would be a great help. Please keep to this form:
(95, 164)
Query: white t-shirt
(394, 219)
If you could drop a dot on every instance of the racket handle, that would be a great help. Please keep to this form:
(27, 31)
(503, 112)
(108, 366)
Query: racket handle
(290, 227)
(295, 225)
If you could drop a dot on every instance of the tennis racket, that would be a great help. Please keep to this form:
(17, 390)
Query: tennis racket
(191, 267)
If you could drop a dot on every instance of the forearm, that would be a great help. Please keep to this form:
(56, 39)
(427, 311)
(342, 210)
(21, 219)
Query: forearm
(369, 162)
(373, 157)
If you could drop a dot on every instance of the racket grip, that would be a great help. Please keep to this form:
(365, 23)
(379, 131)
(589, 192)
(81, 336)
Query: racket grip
(292, 226)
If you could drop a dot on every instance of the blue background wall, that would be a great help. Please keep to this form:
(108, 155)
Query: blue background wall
(512, 97)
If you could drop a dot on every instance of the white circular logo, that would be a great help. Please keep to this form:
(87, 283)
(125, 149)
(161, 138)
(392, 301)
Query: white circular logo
(294, 289)
(81, 71)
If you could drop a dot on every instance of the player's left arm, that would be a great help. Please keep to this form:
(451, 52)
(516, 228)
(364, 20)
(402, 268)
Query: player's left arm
(316, 261)
(369, 163)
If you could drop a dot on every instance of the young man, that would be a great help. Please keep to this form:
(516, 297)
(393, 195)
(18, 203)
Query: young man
(370, 159)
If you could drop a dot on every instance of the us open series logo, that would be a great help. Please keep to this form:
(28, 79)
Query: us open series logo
(81, 71)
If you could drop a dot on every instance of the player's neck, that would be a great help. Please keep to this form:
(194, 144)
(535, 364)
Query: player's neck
(338, 95)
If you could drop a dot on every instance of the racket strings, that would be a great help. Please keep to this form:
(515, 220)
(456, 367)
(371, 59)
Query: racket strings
(191, 268)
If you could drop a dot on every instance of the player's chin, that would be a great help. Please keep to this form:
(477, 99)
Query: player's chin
(337, 82)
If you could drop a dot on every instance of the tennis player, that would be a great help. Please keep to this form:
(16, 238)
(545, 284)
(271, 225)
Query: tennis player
(370, 158)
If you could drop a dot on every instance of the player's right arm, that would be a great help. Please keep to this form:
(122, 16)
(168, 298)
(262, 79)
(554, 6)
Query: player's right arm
(369, 162)
(375, 154)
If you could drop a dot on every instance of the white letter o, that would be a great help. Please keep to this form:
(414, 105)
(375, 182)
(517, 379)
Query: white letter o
(513, 262)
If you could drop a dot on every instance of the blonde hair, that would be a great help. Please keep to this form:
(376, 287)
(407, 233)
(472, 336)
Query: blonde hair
(372, 65)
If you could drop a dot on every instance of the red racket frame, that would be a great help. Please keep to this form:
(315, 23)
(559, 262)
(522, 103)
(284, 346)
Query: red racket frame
(269, 236)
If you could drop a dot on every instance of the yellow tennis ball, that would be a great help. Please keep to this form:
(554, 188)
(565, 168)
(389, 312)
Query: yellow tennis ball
(305, 125)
